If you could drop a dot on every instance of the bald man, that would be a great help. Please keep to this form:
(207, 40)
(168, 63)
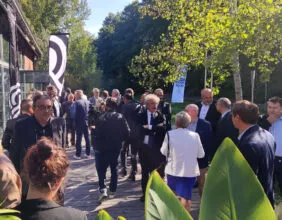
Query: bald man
(207, 108)
(204, 129)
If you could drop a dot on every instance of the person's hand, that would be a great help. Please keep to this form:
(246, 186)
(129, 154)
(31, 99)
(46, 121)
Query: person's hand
(92, 127)
(272, 118)
(146, 126)
(161, 124)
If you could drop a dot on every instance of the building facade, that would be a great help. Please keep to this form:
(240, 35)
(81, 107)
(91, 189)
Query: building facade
(26, 48)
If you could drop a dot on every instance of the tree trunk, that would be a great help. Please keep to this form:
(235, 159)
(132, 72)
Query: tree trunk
(253, 77)
(237, 78)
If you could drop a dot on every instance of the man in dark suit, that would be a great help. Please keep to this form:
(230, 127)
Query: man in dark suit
(80, 112)
(164, 107)
(207, 108)
(130, 111)
(256, 144)
(31, 129)
(152, 132)
(9, 133)
(204, 129)
(57, 107)
(225, 127)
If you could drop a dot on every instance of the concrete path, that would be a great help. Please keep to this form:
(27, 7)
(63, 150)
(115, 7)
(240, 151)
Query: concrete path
(82, 192)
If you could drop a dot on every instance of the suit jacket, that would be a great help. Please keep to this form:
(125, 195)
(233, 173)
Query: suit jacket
(258, 146)
(35, 209)
(157, 131)
(204, 129)
(81, 113)
(28, 131)
(225, 128)
(165, 109)
(212, 115)
(9, 133)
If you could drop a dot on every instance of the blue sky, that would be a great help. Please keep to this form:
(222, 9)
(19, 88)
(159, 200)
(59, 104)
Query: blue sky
(99, 11)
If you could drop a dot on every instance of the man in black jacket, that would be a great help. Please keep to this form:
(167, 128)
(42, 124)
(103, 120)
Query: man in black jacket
(9, 133)
(31, 129)
(111, 130)
(207, 108)
(256, 144)
(130, 111)
(152, 132)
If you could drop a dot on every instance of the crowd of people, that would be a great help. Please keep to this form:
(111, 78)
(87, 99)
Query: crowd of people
(114, 125)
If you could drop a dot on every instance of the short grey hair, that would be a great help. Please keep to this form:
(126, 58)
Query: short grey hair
(182, 120)
(116, 91)
(151, 97)
(224, 102)
(96, 89)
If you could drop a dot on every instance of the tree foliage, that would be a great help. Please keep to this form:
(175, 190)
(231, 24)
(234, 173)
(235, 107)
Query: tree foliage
(51, 16)
(222, 29)
(120, 39)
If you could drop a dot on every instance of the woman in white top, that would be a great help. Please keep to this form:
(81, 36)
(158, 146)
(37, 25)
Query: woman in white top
(182, 166)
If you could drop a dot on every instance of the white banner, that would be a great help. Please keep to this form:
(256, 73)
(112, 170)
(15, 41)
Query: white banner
(179, 87)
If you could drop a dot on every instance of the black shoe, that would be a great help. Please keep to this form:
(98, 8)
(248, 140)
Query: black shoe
(142, 198)
(123, 172)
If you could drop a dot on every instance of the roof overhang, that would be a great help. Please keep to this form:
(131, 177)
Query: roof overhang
(22, 25)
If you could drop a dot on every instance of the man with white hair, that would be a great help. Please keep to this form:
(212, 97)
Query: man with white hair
(152, 134)
(164, 108)
(204, 129)
(225, 126)
(207, 108)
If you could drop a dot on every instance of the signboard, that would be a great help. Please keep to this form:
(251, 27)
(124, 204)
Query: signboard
(179, 87)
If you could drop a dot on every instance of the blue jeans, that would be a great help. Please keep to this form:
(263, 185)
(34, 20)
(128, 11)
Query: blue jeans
(103, 160)
(82, 130)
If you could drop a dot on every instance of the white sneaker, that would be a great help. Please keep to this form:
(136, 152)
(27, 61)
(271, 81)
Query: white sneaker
(103, 197)
(76, 157)
(88, 156)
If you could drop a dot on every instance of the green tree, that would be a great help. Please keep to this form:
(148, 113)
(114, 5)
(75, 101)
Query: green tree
(222, 29)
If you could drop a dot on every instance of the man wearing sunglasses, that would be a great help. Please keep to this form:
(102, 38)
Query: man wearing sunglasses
(31, 129)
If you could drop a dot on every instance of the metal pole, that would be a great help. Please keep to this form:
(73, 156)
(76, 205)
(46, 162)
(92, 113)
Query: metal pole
(206, 69)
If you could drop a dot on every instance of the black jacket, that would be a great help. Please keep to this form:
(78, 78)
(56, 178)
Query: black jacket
(40, 209)
(28, 131)
(257, 146)
(130, 112)
(165, 109)
(212, 116)
(111, 130)
(225, 128)
(9, 133)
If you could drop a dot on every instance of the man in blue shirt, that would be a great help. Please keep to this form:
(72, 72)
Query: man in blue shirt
(274, 111)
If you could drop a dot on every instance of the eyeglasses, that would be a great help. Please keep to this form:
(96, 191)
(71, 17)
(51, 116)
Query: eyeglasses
(45, 107)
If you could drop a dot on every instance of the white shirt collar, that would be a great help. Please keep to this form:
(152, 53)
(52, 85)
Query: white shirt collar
(241, 135)
(225, 113)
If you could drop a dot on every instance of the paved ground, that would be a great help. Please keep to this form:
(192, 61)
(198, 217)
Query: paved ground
(82, 193)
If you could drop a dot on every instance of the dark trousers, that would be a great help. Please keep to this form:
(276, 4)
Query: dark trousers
(278, 172)
(82, 130)
(70, 130)
(103, 160)
(134, 150)
(150, 159)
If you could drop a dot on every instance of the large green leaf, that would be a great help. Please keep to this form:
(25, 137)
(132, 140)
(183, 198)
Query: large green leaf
(103, 215)
(161, 203)
(232, 190)
(8, 214)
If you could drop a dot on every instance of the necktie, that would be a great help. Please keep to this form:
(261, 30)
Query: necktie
(152, 118)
